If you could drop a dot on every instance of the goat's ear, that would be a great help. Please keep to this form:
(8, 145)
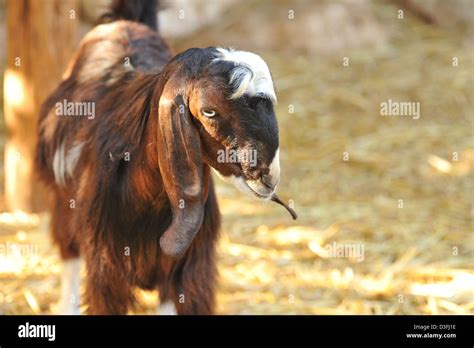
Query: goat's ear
(181, 168)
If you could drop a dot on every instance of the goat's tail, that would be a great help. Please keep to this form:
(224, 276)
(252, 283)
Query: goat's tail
(142, 11)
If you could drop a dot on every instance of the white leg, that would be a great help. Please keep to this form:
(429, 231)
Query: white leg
(166, 308)
(70, 282)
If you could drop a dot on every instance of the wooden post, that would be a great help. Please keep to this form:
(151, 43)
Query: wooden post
(41, 36)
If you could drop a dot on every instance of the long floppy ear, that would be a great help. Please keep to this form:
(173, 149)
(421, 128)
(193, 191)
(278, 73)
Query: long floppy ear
(181, 168)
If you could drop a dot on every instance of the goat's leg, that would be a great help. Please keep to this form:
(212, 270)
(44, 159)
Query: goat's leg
(191, 286)
(107, 288)
(69, 250)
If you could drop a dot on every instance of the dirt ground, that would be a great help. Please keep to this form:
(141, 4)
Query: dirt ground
(397, 188)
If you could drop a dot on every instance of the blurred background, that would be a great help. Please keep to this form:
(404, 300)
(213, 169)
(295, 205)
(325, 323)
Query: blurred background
(385, 203)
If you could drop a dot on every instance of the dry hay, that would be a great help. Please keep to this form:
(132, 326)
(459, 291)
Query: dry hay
(417, 259)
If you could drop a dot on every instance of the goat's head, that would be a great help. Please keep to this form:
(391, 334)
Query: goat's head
(216, 107)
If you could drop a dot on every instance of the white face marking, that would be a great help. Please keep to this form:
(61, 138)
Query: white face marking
(166, 308)
(70, 282)
(63, 165)
(254, 75)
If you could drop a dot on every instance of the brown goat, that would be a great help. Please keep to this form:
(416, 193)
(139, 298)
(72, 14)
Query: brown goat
(126, 143)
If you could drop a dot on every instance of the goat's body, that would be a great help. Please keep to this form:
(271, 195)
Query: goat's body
(109, 202)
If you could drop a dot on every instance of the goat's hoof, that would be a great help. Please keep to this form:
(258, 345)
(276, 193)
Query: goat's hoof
(166, 308)
(68, 309)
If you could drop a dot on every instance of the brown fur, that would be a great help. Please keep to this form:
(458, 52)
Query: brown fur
(121, 209)
(140, 205)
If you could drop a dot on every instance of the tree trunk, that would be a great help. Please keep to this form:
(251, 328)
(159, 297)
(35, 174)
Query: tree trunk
(41, 36)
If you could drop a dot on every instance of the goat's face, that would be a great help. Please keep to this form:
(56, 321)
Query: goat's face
(233, 102)
(215, 107)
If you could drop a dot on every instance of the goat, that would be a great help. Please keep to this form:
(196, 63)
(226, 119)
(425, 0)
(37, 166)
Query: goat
(131, 186)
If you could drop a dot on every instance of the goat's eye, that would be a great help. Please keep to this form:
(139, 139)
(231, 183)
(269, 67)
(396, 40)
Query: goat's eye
(208, 113)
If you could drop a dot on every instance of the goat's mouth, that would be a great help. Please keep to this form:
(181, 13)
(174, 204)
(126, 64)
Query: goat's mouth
(250, 186)
(259, 189)
(270, 196)
(255, 187)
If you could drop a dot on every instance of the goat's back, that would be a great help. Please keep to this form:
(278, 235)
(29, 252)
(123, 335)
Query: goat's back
(105, 56)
